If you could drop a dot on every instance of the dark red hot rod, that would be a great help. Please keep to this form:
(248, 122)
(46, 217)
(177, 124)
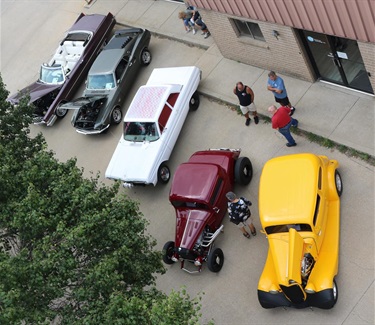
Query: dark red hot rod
(198, 196)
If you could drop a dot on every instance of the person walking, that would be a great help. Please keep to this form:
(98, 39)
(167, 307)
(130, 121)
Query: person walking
(246, 97)
(282, 121)
(239, 213)
(276, 85)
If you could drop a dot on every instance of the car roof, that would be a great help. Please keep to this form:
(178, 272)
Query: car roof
(149, 101)
(106, 62)
(288, 189)
(88, 23)
(194, 181)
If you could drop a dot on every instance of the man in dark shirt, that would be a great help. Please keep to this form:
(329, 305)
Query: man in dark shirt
(246, 97)
(282, 122)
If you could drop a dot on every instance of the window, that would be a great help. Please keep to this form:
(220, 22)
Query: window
(140, 131)
(320, 179)
(285, 228)
(246, 28)
(121, 67)
(216, 192)
(167, 110)
(317, 205)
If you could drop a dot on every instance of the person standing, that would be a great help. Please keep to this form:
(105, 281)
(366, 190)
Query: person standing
(282, 121)
(186, 16)
(246, 97)
(239, 213)
(276, 85)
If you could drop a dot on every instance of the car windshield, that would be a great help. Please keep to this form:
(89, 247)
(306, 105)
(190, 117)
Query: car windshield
(52, 75)
(285, 228)
(140, 131)
(101, 81)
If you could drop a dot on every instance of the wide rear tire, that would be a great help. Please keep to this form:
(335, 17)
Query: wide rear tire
(243, 171)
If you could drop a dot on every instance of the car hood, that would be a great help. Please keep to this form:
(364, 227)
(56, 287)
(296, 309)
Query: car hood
(287, 250)
(36, 91)
(81, 102)
(189, 226)
(134, 162)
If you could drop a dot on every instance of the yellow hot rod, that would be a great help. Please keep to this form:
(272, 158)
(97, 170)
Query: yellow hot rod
(299, 207)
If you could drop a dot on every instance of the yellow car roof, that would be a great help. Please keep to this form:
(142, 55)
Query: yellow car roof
(288, 189)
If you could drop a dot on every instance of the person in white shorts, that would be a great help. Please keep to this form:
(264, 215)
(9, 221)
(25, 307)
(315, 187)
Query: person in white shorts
(246, 97)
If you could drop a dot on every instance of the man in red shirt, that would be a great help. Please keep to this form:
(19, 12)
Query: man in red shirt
(282, 122)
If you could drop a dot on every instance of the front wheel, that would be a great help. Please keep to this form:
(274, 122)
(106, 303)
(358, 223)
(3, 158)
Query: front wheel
(194, 102)
(338, 182)
(164, 173)
(61, 112)
(116, 115)
(243, 171)
(215, 260)
(335, 292)
(168, 250)
(146, 57)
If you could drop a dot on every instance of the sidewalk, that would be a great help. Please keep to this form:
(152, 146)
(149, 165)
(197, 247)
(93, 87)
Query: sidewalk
(339, 114)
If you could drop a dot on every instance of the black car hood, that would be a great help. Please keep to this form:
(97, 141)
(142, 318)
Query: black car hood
(36, 91)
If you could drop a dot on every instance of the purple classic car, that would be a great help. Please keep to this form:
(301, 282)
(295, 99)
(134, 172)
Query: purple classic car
(63, 74)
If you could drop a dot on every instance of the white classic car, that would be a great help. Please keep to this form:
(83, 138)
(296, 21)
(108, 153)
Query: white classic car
(152, 125)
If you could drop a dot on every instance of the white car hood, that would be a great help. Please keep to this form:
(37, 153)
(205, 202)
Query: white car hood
(129, 165)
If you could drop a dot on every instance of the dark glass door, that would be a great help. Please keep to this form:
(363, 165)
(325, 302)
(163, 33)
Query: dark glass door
(337, 60)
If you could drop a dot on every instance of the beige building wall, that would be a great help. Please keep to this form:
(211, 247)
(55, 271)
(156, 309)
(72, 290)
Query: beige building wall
(282, 54)
(368, 55)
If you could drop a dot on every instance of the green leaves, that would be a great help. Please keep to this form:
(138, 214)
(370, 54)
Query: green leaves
(71, 247)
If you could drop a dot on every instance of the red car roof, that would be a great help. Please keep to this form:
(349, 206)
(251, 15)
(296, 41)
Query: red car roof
(194, 181)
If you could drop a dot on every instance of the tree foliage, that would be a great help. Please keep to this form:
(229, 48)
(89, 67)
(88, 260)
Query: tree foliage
(71, 247)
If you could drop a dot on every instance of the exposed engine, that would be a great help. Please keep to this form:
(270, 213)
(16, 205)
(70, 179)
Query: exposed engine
(307, 265)
(43, 103)
(87, 115)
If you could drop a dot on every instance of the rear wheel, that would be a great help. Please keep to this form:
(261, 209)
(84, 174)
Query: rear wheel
(146, 57)
(194, 102)
(168, 250)
(243, 171)
(164, 173)
(215, 260)
(116, 115)
(338, 182)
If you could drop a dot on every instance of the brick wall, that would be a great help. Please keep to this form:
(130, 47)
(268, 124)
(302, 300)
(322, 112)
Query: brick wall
(283, 55)
(368, 56)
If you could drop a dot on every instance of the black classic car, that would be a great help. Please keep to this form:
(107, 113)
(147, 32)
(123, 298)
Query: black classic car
(63, 74)
(109, 79)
